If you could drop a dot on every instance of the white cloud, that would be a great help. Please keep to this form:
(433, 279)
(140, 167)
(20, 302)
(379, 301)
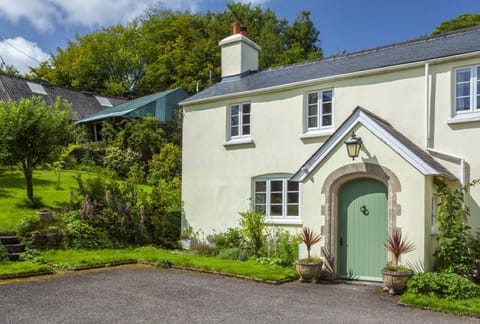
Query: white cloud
(21, 53)
(44, 15)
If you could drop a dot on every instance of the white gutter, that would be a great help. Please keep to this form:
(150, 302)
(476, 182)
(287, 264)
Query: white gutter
(456, 158)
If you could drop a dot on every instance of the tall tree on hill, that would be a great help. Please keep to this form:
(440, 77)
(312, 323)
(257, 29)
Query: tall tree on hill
(32, 133)
(462, 21)
(166, 49)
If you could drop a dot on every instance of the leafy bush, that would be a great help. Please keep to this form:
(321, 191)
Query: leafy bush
(233, 254)
(27, 225)
(82, 235)
(252, 226)
(202, 248)
(232, 238)
(444, 285)
(458, 250)
(282, 247)
(120, 161)
(165, 165)
(32, 255)
(3, 253)
(163, 263)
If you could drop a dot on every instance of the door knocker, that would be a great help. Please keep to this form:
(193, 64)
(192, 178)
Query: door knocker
(364, 210)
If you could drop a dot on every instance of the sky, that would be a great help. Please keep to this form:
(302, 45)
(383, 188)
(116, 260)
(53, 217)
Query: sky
(32, 30)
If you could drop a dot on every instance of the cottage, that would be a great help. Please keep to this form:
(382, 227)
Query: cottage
(274, 141)
(83, 102)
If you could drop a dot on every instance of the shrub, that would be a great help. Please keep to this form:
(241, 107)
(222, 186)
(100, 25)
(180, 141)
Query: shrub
(82, 235)
(233, 254)
(282, 248)
(3, 253)
(252, 226)
(457, 250)
(165, 165)
(32, 255)
(232, 238)
(120, 161)
(443, 285)
(27, 225)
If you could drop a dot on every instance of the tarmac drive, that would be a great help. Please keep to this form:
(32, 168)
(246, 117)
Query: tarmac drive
(143, 294)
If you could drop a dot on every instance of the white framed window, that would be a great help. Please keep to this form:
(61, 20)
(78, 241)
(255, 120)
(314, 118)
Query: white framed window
(239, 120)
(467, 90)
(319, 110)
(277, 198)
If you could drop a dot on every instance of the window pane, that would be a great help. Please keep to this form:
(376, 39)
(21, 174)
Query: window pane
(246, 130)
(327, 96)
(276, 185)
(292, 197)
(234, 121)
(246, 119)
(234, 131)
(327, 108)
(463, 75)
(260, 209)
(312, 98)
(327, 120)
(276, 210)
(463, 104)
(292, 210)
(312, 110)
(463, 89)
(312, 122)
(234, 110)
(260, 198)
(292, 186)
(276, 198)
(246, 108)
(260, 186)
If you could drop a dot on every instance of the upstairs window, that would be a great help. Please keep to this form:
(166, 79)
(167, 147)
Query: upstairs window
(467, 90)
(239, 118)
(319, 110)
(277, 198)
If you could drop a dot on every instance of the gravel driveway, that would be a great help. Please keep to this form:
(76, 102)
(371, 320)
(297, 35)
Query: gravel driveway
(143, 294)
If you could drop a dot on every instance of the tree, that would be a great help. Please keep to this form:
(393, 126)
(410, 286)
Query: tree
(166, 49)
(462, 21)
(33, 132)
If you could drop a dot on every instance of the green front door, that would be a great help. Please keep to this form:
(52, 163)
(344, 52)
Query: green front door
(362, 229)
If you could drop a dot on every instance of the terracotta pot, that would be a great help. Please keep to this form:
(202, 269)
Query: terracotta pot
(395, 281)
(309, 271)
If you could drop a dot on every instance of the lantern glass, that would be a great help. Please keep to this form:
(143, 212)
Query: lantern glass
(354, 145)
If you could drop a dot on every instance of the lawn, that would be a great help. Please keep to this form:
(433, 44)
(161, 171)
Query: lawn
(250, 269)
(13, 193)
(466, 307)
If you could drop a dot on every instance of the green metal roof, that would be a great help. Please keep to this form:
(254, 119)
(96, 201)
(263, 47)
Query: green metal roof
(127, 107)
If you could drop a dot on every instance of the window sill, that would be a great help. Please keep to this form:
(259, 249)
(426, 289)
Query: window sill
(283, 221)
(318, 133)
(464, 118)
(239, 141)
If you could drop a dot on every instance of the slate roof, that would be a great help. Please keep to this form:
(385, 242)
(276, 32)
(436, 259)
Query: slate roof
(127, 107)
(408, 150)
(440, 46)
(83, 103)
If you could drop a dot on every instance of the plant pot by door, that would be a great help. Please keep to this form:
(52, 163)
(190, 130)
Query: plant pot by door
(395, 281)
(309, 271)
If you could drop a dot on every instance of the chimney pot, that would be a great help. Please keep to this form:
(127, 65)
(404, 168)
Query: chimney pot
(243, 30)
(236, 28)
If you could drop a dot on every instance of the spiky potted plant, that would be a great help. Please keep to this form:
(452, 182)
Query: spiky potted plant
(309, 268)
(395, 276)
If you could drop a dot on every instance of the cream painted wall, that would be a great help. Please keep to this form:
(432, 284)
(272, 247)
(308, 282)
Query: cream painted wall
(217, 177)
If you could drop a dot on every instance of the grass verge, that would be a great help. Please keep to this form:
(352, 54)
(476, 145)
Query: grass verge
(8, 268)
(250, 269)
(466, 307)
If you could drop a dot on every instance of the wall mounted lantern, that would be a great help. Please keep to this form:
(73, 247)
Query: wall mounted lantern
(353, 144)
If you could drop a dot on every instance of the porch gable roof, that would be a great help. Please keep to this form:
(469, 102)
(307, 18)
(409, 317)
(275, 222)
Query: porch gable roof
(398, 142)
